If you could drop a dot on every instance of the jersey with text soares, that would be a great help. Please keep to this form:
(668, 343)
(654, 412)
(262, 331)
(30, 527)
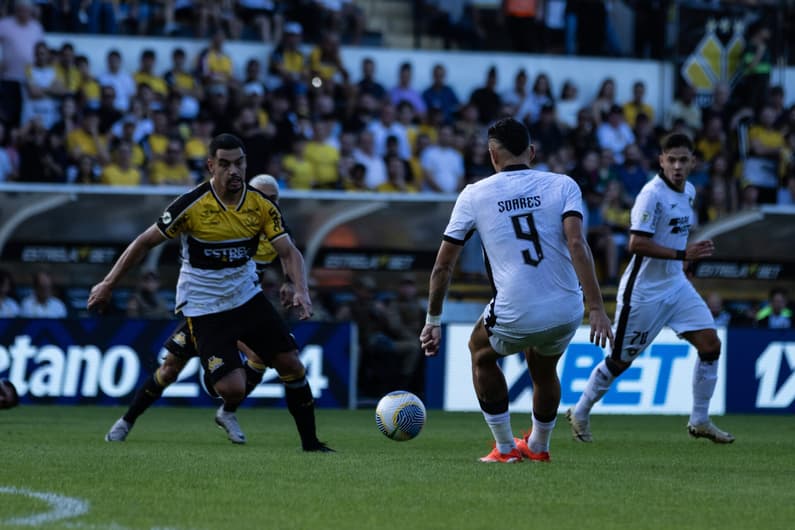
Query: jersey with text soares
(519, 217)
(666, 215)
(217, 243)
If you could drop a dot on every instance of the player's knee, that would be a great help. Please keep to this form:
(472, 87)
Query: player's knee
(288, 365)
(710, 355)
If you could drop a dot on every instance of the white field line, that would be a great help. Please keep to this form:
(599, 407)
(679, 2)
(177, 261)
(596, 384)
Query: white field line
(61, 507)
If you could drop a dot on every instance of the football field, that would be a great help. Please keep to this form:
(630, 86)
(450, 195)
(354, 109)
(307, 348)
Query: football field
(177, 471)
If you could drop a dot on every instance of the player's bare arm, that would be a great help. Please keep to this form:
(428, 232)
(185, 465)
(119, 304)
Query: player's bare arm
(132, 255)
(442, 272)
(582, 259)
(643, 245)
(293, 263)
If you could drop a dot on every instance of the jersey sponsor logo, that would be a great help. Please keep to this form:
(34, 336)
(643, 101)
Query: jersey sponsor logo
(226, 254)
(775, 370)
(679, 225)
(221, 255)
(520, 203)
(214, 363)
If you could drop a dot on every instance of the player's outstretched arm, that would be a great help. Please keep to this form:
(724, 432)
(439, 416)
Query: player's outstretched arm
(643, 245)
(293, 265)
(442, 272)
(582, 259)
(100, 294)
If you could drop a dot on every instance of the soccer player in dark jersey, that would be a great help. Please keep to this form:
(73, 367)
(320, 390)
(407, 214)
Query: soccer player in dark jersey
(219, 224)
(181, 348)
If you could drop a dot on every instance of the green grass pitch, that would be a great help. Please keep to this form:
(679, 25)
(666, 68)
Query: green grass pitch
(177, 471)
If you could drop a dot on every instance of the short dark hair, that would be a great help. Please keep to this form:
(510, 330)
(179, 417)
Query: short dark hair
(225, 141)
(14, 394)
(675, 140)
(511, 134)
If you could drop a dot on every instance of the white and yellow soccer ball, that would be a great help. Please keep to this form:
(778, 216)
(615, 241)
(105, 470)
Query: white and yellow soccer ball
(400, 415)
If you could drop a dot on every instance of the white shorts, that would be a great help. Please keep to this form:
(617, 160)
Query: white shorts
(638, 324)
(552, 341)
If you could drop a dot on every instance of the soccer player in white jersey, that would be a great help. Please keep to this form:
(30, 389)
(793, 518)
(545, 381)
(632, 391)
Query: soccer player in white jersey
(654, 292)
(530, 224)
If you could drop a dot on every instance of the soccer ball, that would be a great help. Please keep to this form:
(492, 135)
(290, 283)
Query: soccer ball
(400, 415)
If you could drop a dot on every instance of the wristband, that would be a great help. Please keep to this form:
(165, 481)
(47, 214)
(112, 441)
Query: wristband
(680, 255)
(433, 320)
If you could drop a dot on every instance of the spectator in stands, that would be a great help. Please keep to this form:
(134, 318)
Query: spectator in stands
(407, 118)
(365, 154)
(121, 172)
(215, 66)
(108, 114)
(403, 91)
(156, 142)
(220, 106)
(287, 66)
(468, 123)
(524, 23)
(397, 181)
(264, 15)
(181, 81)
(767, 155)
(325, 64)
(583, 137)
(355, 179)
(387, 126)
(568, 105)
(324, 157)
(637, 105)
(712, 139)
(282, 125)
(605, 100)
(66, 71)
(719, 313)
(775, 314)
(99, 16)
(719, 106)
(546, 133)
(9, 308)
(171, 169)
(650, 25)
(86, 171)
(19, 34)
(592, 182)
(518, 92)
(87, 140)
(146, 75)
(786, 194)
(614, 230)
(686, 108)
(749, 197)
(42, 88)
(368, 83)
(9, 158)
(633, 172)
(89, 91)
(404, 314)
(486, 99)
(146, 301)
(477, 162)
(121, 81)
(42, 302)
(614, 133)
(441, 95)
(299, 170)
(443, 165)
(540, 95)
(757, 63)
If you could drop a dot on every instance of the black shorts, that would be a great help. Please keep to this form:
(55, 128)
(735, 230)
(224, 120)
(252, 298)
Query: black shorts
(256, 323)
(181, 343)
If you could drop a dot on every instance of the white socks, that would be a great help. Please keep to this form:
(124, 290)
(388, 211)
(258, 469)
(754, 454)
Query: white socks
(705, 376)
(597, 386)
(539, 437)
(500, 425)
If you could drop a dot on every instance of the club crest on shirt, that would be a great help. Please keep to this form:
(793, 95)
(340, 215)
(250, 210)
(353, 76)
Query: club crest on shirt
(179, 339)
(165, 218)
(214, 363)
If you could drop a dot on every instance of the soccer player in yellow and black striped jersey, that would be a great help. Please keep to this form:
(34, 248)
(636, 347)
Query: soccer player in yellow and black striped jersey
(220, 223)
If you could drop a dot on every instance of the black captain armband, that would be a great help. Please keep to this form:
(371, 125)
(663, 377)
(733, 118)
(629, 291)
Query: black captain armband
(680, 255)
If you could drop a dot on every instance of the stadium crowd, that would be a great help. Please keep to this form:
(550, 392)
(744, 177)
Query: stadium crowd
(311, 123)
